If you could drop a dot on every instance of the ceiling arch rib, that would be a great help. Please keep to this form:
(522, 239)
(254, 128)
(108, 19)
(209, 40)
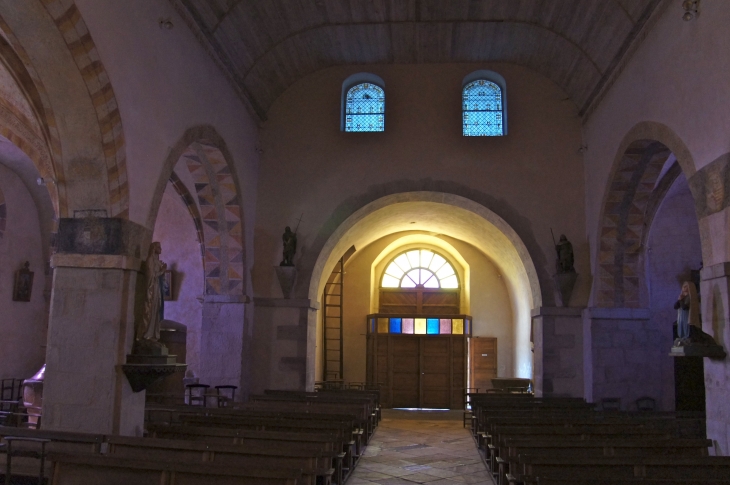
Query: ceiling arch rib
(268, 46)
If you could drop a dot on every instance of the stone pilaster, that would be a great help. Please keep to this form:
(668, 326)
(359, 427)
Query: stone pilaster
(90, 331)
(222, 341)
(628, 356)
(715, 289)
(91, 328)
(558, 346)
(285, 343)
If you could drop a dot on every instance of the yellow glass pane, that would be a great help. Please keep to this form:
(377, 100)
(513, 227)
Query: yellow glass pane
(457, 326)
(421, 326)
(383, 325)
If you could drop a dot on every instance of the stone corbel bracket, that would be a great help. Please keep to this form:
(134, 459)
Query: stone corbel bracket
(140, 376)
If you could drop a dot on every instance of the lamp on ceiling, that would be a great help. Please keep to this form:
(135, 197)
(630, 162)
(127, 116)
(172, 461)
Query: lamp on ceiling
(691, 9)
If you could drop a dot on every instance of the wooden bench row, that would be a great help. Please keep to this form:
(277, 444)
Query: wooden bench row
(531, 441)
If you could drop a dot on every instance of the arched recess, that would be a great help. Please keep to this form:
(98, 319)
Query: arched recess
(626, 209)
(215, 204)
(454, 216)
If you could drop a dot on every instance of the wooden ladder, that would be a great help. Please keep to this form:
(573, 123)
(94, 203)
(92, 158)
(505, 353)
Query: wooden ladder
(332, 301)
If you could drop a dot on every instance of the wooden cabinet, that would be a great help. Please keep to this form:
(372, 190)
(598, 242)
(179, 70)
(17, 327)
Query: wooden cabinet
(482, 362)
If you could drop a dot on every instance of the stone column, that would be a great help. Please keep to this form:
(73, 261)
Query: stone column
(91, 328)
(558, 345)
(626, 356)
(285, 343)
(222, 340)
(715, 287)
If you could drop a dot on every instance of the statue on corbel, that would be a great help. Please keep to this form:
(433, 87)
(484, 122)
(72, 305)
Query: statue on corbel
(691, 341)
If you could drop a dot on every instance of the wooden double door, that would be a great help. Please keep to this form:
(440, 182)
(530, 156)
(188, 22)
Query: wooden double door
(419, 371)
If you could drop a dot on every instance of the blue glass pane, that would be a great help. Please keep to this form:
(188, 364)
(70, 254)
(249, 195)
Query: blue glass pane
(365, 108)
(432, 326)
(395, 325)
(372, 325)
(482, 109)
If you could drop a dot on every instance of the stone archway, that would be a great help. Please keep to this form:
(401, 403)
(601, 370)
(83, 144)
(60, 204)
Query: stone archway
(450, 215)
(638, 164)
(200, 169)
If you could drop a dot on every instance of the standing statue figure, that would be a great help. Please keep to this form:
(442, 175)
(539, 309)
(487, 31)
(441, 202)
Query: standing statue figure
(149, 327)
(290, 246)
(688, 313)
(564, 249)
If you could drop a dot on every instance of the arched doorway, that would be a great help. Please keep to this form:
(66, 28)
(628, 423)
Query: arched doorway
(443, 216)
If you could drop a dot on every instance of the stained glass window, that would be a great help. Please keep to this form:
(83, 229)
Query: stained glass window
(420, 267)
(482, 109)
(365, 108)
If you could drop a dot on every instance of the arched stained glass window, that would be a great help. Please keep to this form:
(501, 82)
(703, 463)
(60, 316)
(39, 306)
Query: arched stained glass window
(483, 110)
(420, 268)
(365, 108)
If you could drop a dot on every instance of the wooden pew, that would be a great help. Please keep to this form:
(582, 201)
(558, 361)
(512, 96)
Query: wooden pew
(316, 442)
(108, 470)
(511, 449)
(659, 467)
(314, 465)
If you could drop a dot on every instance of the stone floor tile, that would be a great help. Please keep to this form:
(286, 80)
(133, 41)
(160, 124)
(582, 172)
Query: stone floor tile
(421, 447)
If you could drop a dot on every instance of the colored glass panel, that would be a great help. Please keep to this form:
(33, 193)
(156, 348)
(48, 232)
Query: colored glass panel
(395, 325)
(432, 326)
(457, 326)
(383, 325)
(373, 325)
(407, 325)
(365, 108)
(482, 109)
(445, 324)
(467, 329)
(420, 326)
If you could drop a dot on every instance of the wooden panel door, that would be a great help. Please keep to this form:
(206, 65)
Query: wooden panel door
(482, 362)
(435, 372)
(404, 371)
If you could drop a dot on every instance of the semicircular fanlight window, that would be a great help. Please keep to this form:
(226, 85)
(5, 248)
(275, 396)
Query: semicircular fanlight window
(420, 268)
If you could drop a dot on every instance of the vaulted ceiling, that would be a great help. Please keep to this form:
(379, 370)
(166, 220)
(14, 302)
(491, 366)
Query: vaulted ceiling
(267, 45)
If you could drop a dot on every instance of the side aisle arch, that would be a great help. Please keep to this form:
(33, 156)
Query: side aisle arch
(638, 164)
(213, 203)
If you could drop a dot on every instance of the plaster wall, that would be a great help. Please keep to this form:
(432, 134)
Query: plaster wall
(677, 77)
(181, 251)
(166, 83)
(490, 304)
(22, 324)
(673, 250)
(311, 167)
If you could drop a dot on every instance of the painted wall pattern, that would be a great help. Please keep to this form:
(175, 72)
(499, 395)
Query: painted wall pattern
(624, 220)
(221, 219)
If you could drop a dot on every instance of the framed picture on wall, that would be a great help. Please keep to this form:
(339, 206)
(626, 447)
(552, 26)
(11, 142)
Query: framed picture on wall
(23, 286)
(167, 286)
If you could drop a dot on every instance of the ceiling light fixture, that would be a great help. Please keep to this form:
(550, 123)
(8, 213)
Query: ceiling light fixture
(691, 9)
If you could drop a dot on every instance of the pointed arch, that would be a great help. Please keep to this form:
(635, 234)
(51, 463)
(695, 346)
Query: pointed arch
(203, 154)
